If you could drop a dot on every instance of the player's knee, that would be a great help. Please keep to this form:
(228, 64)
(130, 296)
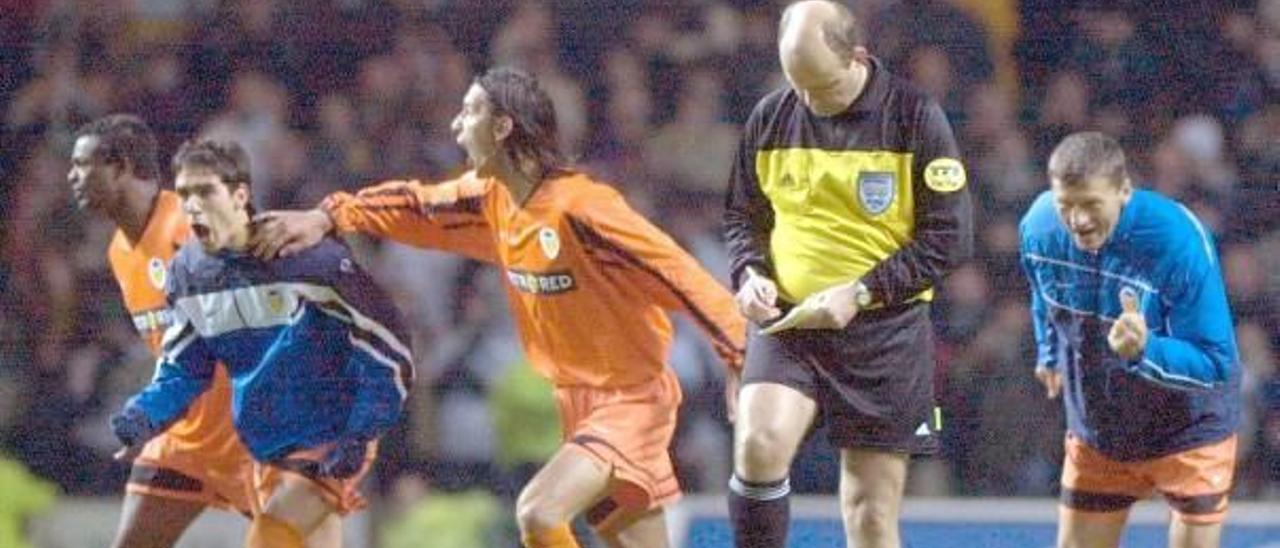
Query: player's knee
(533, 513)
(870, 516)
(761, 456)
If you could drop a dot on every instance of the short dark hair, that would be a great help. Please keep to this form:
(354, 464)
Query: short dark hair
(1087, 154)
(534, 134)
(226, 159)
(843, 34)
(125, 138)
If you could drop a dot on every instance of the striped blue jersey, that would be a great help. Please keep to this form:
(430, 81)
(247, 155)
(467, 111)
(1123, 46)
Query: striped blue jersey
(1183, 391)
(315, 350)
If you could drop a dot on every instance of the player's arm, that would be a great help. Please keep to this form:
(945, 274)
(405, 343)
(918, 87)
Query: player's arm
(609, 229)
(447, 216)
(184, 371)
(1199, 351)
(1046, 335)
(943, 215)
(748, 214)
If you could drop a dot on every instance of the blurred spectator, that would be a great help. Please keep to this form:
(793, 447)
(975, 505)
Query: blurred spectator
(527, 40)
(928, 35)
(1112, 56)
(1260, 376)
(678, 153)
(1063, 110)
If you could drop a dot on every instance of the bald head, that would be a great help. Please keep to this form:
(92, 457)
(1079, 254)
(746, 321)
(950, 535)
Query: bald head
(821, 51)
(813, 25)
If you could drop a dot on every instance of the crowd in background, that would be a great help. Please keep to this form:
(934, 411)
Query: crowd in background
(332, 95)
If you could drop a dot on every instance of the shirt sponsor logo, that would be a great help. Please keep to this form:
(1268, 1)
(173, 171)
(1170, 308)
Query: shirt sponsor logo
(945, 175)
(876, 190)
(542, 283)
(152, 320)
(156, 272)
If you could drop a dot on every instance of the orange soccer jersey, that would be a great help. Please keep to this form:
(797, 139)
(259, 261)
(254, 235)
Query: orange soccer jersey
(589, 280)
(203, 445)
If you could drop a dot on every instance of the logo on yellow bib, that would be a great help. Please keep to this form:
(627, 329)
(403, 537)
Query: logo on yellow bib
(944, 175)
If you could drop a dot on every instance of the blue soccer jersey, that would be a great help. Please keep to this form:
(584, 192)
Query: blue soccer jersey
(315, 349)
(1183, 391)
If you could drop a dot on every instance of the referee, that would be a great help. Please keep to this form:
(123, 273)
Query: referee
(846, 207)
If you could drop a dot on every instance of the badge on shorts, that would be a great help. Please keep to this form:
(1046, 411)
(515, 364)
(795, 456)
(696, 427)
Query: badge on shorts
(156, 272)
(875, 190)
(550, 242)
(944, 175)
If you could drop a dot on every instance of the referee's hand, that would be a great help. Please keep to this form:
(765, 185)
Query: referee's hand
(757, 299)
(833, 308)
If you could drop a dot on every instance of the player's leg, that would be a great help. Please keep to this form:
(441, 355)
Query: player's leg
(1194, 535)
(150, 521)
(295, 510)
(871, 487)
(775, 412)
(647, 529)
(1097, 493)
(568, 484)
(1196, 483)
(328, 534)
(1082, 529)
(294, 505)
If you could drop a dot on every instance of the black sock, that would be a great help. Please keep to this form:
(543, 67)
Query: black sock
(760, 512)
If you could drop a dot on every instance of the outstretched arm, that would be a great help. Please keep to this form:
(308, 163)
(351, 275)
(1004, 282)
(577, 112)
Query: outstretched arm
(449, 216)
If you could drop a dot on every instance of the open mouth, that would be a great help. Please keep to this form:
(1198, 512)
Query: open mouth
(202, 232)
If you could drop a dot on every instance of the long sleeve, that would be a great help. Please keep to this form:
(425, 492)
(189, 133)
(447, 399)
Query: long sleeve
(447, 216)
(183, 372)
(1048, 344)
(663, 271)
(1199, 351)
(943, 235)
(748, 215)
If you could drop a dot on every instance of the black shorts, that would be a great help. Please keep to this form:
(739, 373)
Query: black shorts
(872, 380)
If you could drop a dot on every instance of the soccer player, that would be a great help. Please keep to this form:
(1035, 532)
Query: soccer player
(1133, 329)
(198, 462)
(846, 207)
(315, 351)
(589, 282)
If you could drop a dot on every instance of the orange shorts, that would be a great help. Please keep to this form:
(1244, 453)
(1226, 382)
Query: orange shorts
(629, 430)
(343, 495)
(1195, 482)
(199, 458)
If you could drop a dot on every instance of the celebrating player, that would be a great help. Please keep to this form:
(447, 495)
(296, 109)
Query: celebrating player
(589, 281)
(846, 207)
(315, 350)
(198, 462)
(1133, 328)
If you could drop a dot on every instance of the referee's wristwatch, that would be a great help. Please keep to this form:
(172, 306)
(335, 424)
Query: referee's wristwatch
(861, 294)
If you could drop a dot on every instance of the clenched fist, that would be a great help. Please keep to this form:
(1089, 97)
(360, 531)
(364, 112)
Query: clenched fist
(1128, 336)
